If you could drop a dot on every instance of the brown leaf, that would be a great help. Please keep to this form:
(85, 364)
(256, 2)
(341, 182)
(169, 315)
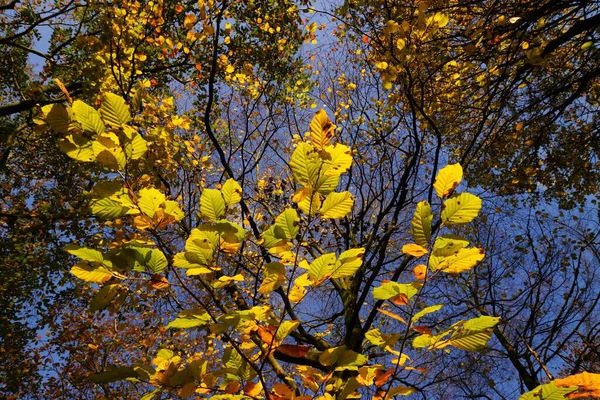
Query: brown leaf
(252, 389)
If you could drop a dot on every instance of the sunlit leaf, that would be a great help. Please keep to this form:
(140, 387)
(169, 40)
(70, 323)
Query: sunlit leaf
(392, 289)
(460, 209)
(463, 260)
(305, 164)
(232, 192)
(337, 205)
(448, 179)
(88, 117)
(348, 263)
(90, 273)
(321, 130)
(322, 267)
(113, 110)
(58, 117)
(150, 200)
(287, 224)
(414, 250)
(190, 319)
(425, 311)
(588, 384)
(337, 159)
(548, 391)
(212, 204)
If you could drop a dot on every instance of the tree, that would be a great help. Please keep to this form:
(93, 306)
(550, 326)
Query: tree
(172, 138)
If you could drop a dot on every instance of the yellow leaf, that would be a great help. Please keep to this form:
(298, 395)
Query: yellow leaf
(337, 159)
(337, 205)
(414, 250)
(252, 389)
(90, 273)
(448, 179)
(310, 205)
(321, 130)
(461, 209)
(462, 261)
(150, 201)
(189, 21)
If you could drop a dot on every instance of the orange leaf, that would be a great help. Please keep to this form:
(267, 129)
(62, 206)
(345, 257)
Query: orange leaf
(252, 389)
(392, 315)
(420, 271)
(382, 377)
(589, 385)
(414, 250)
(423, 370)
(400, 299)
(159, 282)
(365, 39)
(423, 330)
(267, 335)
(188, 390)
(295, 351)
(283, 391)
(232, 387)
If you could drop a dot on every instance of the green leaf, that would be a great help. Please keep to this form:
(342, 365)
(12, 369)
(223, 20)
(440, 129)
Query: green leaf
(392, 289)
(150, 201)
(348, 263)
(212, 204)
(107, 209)
(232, 192)
(104, 296)
(421, 224)
(461, 209)
(88, 117)
(190, 319)
(380, 339)
(113, 110)
(152, 259)
(337, 205)
(172, 209)
(447, 180)
(150, 395)
(201, 244)
(322, 267)
(287, 224)
(274, 276)
(425, 311)
(136, 147)
(85, 253)
(113, 374)
(548, 391)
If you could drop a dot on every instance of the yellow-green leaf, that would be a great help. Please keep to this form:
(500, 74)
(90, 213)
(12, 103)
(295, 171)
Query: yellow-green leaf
(321, 130)
(58, 117)
(107, 209)
(322, 267)
(274, 276)
(88, 117)
(421, 223)
(285, 329)
(425, 311)
(190, 319)
(461, 209)
(232, 192)
(113, 110)
(287, 224)
(348, 263)
(392, 289)
(473, 334)
(337, 205)
(108, 151)
(448, 179)
(150, 201)
(77, 147)
(305, 164)
(548, 391)
(212, 204)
